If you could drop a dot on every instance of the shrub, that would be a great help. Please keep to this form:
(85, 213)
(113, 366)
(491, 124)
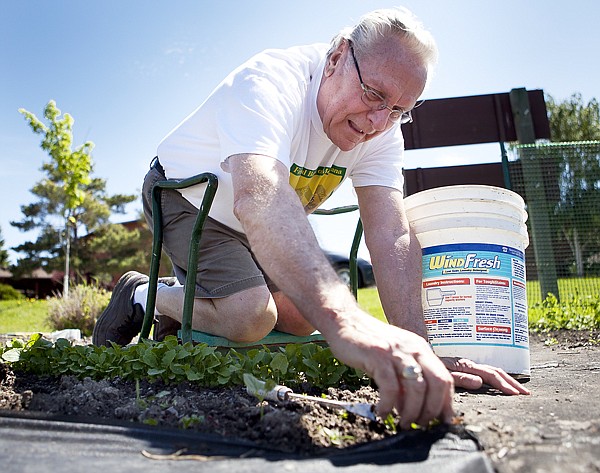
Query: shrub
(80, 310)
(9, 293)
(576, 313)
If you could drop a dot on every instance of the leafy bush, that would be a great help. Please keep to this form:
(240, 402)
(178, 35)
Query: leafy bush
(80, 310)
(576, 313)
(9, 293)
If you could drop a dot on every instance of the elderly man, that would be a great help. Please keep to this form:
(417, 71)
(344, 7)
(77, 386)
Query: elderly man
(282, 132)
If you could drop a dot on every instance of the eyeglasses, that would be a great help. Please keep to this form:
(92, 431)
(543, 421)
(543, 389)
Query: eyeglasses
(373, 99)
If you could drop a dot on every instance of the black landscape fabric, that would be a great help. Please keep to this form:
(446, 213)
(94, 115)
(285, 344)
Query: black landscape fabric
(29, 442)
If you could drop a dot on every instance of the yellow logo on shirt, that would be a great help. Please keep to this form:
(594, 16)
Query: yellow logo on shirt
(314, 186)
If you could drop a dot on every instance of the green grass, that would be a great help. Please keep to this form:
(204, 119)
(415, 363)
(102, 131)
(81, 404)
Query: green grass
(368, 299)
(577, 310)
(574, 311)
(27, 315)
(567, 288)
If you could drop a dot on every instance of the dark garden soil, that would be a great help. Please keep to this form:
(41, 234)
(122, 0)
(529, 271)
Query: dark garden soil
(557, 428)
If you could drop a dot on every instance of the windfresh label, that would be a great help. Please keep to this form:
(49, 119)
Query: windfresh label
(475, 294)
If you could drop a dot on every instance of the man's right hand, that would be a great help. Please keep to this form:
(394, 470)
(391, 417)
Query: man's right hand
(393, 358)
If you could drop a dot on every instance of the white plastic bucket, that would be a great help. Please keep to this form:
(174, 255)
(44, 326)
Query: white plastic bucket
(474, 296)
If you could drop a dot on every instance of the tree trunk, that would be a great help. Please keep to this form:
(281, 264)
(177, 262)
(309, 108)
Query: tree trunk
(67, 262)
(578, 252)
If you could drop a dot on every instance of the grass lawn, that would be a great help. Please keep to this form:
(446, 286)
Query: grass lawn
(579, 308)
(26, 315)
(567, 288)
(368, 299)
(30, 315)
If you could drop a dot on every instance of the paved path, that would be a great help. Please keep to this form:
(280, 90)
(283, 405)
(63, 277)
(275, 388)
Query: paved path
(557, 428)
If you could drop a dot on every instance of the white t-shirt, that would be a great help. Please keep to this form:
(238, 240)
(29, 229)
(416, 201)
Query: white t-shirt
(268, 106)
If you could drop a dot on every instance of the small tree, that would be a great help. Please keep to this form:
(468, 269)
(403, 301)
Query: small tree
(70, 200)
(68, 171)
(572, 120)
(578, 209)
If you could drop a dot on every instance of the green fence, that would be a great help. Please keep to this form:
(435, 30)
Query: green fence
(560, 183)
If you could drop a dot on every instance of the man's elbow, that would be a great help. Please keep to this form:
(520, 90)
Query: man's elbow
(242, 206)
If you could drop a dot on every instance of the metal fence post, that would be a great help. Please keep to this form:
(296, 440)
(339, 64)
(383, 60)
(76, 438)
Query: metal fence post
(535, 191)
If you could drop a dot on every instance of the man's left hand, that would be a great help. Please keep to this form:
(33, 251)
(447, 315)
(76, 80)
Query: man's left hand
(470, 375)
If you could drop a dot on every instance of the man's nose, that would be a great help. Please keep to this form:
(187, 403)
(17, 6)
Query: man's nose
(379, 119)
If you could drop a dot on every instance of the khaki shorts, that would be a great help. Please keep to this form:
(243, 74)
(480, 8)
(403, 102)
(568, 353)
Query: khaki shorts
(226, 265)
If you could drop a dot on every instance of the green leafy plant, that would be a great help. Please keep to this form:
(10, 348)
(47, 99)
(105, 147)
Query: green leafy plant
(9, 293)
(172, 362)
(576, 313)
(335, 437)
(258, 388)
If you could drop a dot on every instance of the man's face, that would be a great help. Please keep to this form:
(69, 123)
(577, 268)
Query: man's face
(389, 69)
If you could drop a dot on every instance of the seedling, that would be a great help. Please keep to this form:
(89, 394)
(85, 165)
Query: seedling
(190, 421)
(141, 403)
(335, 437)
(390, 423)
(258, 389)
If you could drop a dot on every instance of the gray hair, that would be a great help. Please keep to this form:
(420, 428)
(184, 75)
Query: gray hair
(379, 24)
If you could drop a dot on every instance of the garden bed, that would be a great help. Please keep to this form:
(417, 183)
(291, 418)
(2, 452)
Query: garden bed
(557, 428)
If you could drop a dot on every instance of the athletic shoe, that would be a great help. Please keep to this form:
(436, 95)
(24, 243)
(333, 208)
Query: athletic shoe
(122, 319)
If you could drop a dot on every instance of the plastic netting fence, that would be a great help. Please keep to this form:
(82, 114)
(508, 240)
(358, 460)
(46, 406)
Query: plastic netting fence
(560, 183)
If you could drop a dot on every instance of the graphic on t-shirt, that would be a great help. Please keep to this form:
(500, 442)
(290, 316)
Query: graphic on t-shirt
(314, 186)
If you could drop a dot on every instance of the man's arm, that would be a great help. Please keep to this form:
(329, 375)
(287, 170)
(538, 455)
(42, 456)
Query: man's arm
(395, 254)
(286, 247)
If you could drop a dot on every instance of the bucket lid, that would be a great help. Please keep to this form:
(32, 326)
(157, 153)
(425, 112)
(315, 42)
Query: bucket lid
(461, 192)
(469, 207)
(453, 222)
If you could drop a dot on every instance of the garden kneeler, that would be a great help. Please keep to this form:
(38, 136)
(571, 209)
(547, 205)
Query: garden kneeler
(190, 281)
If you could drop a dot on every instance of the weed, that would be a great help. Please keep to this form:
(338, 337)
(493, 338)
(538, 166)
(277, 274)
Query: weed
(188, 422)
(335, 437)
(390, 423)
(80, 310)
(141, 403)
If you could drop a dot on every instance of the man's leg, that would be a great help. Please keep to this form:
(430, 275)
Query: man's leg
(289, 318)
(246, 316)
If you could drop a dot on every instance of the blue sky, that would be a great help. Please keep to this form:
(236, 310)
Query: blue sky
(129, 70)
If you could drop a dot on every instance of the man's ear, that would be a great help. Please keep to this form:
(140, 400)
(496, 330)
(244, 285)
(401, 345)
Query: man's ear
(334, 59)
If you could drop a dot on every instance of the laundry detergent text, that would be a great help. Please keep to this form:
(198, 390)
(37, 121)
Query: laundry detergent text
(470, 261)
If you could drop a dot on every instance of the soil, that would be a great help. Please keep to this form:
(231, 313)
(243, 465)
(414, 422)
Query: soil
(557, 428)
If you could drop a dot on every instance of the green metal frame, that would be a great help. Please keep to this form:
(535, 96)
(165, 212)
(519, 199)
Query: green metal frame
(190, 281)
(355, 243)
